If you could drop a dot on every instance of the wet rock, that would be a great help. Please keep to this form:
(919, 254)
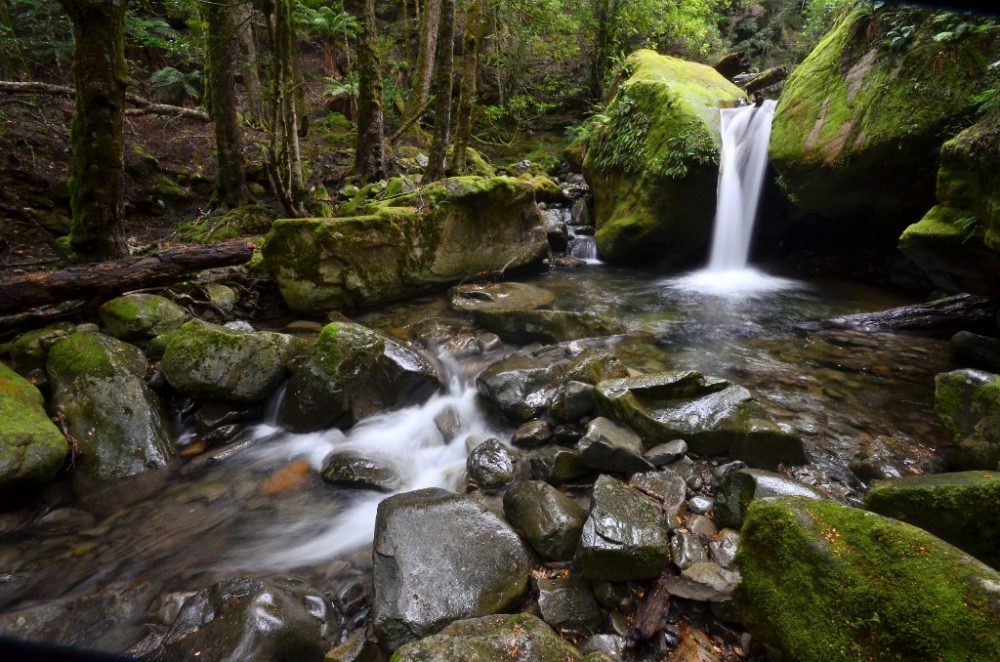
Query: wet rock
(686, 550)
(705, 582)
(695, 645)
(273, 618)
(611, 645)
(610, 447)
(554, 464)
(813, 579)
(977, 351)
(714, 416)
(555, 229)
(32, 448)
(567, 603)
(577, 400)
(422, 540)
(118, 423)
(502, 638)
(624, 536)
(29, 351)
(593, 366)
(549, 520)
(663, 454)
(532, 434)
(700, 525)
(525, 326)
(210, 362)
(359, 472)
(700, 505)
(499, 296)
(521, 386)
(491, 464)
(666, 487)
(968, 403)
(723, 547)
(723, 470)
(141, 316)
(879, 458)
(740, 488)
(961, 508)
(351, 373)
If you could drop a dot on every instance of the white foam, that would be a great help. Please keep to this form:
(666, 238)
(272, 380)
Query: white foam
(731, 283)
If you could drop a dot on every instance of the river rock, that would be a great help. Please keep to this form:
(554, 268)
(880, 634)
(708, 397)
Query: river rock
(686, 550)
(882, 457)
(714, 416)
(610, 447)
(567, 603)
(624, 536)
(577, 400)
(350, 373)
(491, 464)
(499, 296)
(549, 520)
(546, 326)
(521, 386)
(815, 581)
(705, 582)
(653, 167)
(723, 547)
(32, 448)
(360, 472)
(29, 351)
(532, 434)
(961, 508)
(118, 423)
(211, 362)
(395, 248)
(141, 316)
(666, 487)
(663, 454)
(968, 403)
(517, 638)
(740, 488)
(555, 229)
(554, 464)
(441, 557)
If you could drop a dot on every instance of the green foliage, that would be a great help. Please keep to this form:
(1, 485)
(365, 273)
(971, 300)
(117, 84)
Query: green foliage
(174, 86)
(338, 88)
(319, 19)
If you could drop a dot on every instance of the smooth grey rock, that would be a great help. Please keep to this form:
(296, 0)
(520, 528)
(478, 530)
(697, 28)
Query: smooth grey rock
(612, 645)
(491, 464)
(740, 488)
(360, 472)
(666, 453)
(723, 470)
(549, 520)
(700, 525)
(610, 447)
(700, 505)
(577, 400)
(532, 434)
(723, 547)
(523, 387)
(567, 603)
(666, 487)
(554, 464)
(686, 549)
(705, 582)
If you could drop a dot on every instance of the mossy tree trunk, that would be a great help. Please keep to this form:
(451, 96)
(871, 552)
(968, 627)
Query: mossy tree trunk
(230, 184)
(96, 181)
(606, 16)
(430, 21)
(243, 14)
(474, 25)
(12, 64)
(443, 75)
(369, 159)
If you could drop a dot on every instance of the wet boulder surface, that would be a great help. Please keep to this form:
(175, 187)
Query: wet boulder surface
(32, 448)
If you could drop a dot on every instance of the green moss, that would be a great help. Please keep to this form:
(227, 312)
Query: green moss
(31, 447)
(136, 316)
(822, 582)
(91, 355)
(30, 350)
(169, 190)
(235, 223)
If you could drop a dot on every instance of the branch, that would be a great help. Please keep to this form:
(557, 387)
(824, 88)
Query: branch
(408, 123)
(145, 106)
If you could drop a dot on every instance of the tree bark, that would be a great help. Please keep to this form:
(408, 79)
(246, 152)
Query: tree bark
(230, 183)
(443, 81)
(12, 63)
(606, 14)
(22, 291)
(244, 17)
(145, 106)
(369, 159)
(948, 313)
(97, 173)
(429, 26)
(467, 98)
(772, 76)
(284, 158)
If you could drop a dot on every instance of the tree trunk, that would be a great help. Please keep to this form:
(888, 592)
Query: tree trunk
(244, 17)
(96, 183)
(602, 44)
(429, 28)
(284, 157)
(943, 314)
(230, 184)
(370, 154)
(12, 64)
(438, 157)
(467, 99)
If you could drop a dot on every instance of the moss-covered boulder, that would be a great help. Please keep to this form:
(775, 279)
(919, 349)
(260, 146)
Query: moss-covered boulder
(957, 243)
(713, 415)
(962, 508)
(141, 316)
(248, 220)
(352, 372)
(653, 166)
(860, 122)
(31, 447)
(410, 243)
(741, 488)
(968, 403)
(212, 362)
(822, 581)
(117, 423)
(502, 638)
(29, 352)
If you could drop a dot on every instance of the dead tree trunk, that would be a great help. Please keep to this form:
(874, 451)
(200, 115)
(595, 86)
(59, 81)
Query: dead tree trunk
(948, 313)
(758, 82)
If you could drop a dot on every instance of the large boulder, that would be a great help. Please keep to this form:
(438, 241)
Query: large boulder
(860, 122)
(350, 373)
(957, 243)
(962, 508)
(440, 234)
(31, 447)
(212, 362)
(714, 417)
(823, 581)
(653, 166)
(440, 557)
(968, 403)
(117, 421)
(141, 316)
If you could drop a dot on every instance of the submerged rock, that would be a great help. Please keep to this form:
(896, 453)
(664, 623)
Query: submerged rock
(968, 403)
(741, 488)
(32, 448)
(549, 520)
(357, 471)
(141, 316)
(499, 296)
(546, 326)
(821, 577)
(440, 557)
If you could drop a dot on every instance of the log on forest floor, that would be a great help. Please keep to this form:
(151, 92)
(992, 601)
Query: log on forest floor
(19, 292)
(144, 106)
(947, 313)
(757, 82)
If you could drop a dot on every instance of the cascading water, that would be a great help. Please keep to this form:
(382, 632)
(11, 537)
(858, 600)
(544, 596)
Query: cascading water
(583, 247)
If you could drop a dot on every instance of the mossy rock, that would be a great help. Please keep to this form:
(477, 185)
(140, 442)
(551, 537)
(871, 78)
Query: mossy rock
(860, 122)
(414, 242)
(546, 190)
(961, 508)
(243, 221)
(475, 164)
(822, 581)
(141, 316)
(968, 404)
(653, 167)
(31, 447)
(30, 350)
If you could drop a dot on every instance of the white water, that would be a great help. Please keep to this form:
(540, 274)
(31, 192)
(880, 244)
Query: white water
(746, 132)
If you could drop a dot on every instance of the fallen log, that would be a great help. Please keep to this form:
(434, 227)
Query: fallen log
(947, 313)
(23, 291)
(651, 617)
(732, 65)
(767, 78)
(144, 106)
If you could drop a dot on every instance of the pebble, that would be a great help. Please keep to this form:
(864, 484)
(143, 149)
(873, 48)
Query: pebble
(700, 505)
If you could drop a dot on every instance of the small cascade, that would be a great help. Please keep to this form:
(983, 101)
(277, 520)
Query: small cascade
(582, 247)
